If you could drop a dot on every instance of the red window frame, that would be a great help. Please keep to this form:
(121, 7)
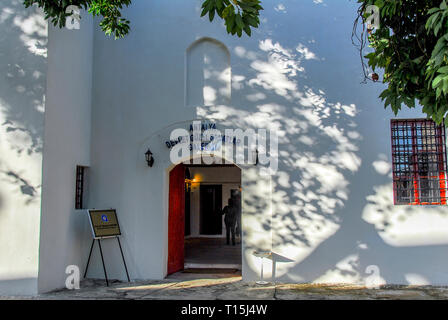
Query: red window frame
(419, 158)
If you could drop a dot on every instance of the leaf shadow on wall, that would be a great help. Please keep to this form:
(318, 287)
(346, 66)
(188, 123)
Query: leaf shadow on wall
(22, 89)
(318, 233)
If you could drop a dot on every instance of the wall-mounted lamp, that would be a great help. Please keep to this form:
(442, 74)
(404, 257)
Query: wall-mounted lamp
(188, 185)
(187, 180)
(149, 158)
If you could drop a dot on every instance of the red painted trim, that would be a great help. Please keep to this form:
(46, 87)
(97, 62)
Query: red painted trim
(442, 165)
(394, 176)
(176, 220)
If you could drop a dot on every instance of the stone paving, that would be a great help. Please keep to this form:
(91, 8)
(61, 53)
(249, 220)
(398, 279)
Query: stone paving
(231, 287)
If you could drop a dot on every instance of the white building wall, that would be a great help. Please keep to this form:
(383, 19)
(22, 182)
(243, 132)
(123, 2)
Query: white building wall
(23, 63)
(64, 236)
(327, 214)
(208, 75)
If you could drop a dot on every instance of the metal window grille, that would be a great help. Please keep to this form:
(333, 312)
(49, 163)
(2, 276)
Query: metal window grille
(419, 162)
(79, 187)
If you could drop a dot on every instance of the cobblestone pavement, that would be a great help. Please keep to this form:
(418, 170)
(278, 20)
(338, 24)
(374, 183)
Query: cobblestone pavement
(210, 287)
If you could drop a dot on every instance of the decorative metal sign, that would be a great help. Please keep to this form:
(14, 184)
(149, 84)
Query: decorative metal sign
(197, 133)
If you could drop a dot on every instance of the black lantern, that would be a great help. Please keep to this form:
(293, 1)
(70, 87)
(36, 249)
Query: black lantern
(149, 158)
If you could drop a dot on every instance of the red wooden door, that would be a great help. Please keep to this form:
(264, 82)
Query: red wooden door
(176, 219)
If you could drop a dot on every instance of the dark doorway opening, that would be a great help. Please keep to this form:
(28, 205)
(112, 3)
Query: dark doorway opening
(210, 209)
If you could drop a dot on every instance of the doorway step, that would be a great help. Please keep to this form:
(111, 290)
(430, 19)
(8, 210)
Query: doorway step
(209, 266)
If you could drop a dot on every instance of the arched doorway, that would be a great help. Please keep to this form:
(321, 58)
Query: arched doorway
(197, 237)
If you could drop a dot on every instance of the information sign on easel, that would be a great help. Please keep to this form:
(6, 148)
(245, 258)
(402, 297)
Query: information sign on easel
(104, 225)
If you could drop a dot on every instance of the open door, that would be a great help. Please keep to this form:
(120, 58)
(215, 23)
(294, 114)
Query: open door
(176, 219)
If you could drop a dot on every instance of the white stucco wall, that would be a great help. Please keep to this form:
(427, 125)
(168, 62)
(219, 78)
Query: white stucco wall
(331, 201)
(327, 213)
(67, 144)
(23, 63)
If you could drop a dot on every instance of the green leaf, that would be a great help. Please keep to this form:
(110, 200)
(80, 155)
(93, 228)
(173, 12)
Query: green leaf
(239, 21)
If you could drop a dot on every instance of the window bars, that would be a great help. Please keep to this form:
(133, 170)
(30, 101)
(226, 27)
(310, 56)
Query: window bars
(419, 162)
(79, 187)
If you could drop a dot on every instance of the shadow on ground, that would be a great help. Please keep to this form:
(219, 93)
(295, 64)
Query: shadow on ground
(192, 286)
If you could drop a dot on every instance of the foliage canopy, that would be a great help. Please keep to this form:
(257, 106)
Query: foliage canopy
(411, 48)
(238, 15)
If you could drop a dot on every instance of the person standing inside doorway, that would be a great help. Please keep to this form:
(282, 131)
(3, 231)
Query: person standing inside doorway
(237, 205)
(230, 219)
